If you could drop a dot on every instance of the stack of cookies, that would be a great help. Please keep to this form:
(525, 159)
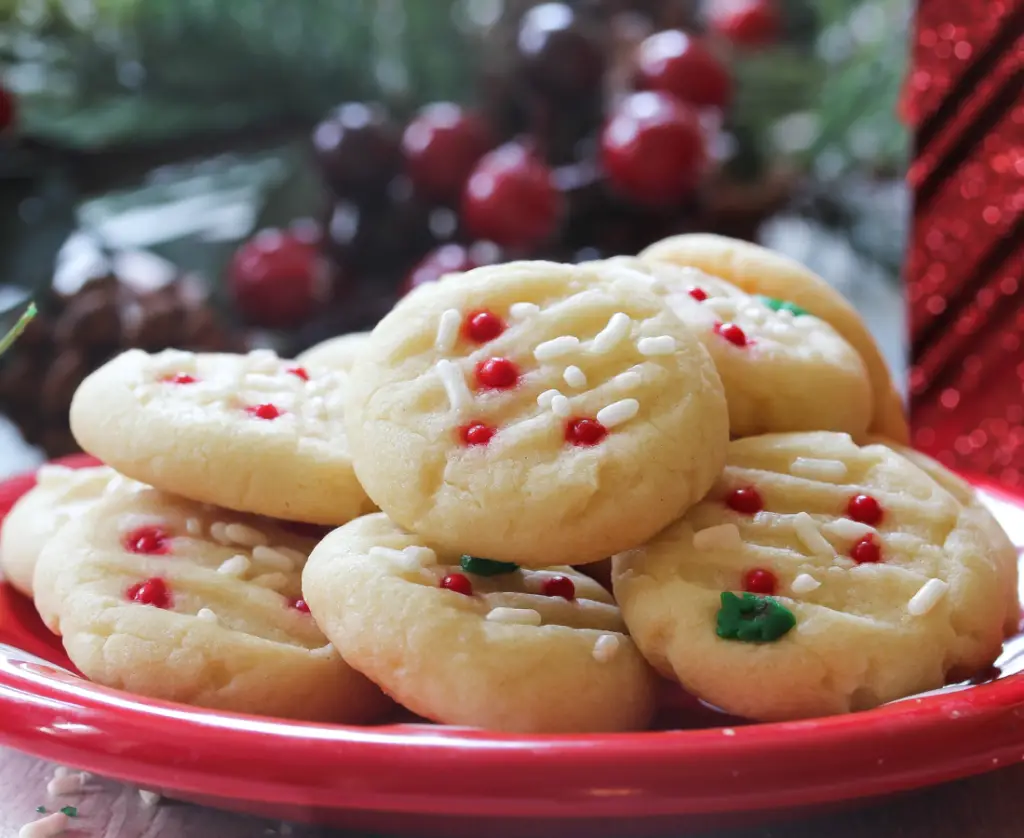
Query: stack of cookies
(423, 514)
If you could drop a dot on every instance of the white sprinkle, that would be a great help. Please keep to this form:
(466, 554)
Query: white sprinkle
(785, 314)
(560, 406)
(522, 616)
(219, 532)
(273, 558)
(848, 530)
(755, 312)
(556, 347)
(45, 827)
(575, 377)
(804, 584)
(545, 398)
(609, 337)
(661, 345)
(618, 412)
(245, 536)
(235, 566)
(629, 378)
(807, 531)
(448, 330)
(149, 798)
(454, 384)
(420, 555)
(193, 526)
(61, 771)
(274, 581)
(721, 305)
(387, 553)
(719, 537)
(928, 597)
(815, 469)
(207, 616)
(520, 311)
(605, 648)
(66, 784)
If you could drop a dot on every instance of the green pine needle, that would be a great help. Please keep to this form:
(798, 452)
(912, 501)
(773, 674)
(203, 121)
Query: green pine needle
(19, 327)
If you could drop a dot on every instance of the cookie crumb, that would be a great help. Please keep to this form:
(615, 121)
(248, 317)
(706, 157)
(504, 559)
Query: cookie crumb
(235, 566)
(521, 616)
(605, 648)
(618, 412)
(66, 783)
(718, 537)
(660, 345)
(927, 597)
(807, 531)
(245, 536)
(804, 584)
(448, 330)
(575, 377)
(815, 469)
(45, 827)
(149, 798)
(610, 336)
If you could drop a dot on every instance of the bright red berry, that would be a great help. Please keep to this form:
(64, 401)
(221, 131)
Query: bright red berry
(683, 65)
(264, 411)
(732, 333)
(511, 199)
(483, 326)
(299, 605)
(8, 109)
(866, 551)
(276, 279)
(150, 540)
(865, 509)
(497, 374)
(476, 433)
(653, 148)
(699, 294)
(559, 586)
(447, 259)
(152, 591)
(441, 146)
(746, 500)
(459, 583)
(760, 581)
(585, 432)
(299, 372)
(747, 23)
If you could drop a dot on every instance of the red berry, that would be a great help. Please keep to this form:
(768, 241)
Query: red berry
(483, 326)
(357, 149)
(760, 581)
(746, 500)
(747, 23)
(152, 541)
(476, 433)
(680, 64)
(299, 372)
(732, 333)
(559, 586)
(8, 109)
(510, 198)
(585, 432)
(299, 605)
(459, 583)
(497, 374)
(560, 53)
(180, 378)
(866, 551)
(699, 294)
(865, 509)
(447, 259)
(264, 411)
(441, 145)
(276, 279)
(152, 591)
(653, 148)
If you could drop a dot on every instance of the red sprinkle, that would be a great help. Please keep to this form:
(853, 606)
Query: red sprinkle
(476, 433)
(497, 373)
(866, 551)
(299, 605)
(585, 431)
(483, 326)
(152, 541)
(746, 499)
(459, 583)
(559, 586)
(152, 591)
(732, 333)
(180, 378)
(699, 294)
(264, 411)
(760, 581)
(299, 372)
(865, 509)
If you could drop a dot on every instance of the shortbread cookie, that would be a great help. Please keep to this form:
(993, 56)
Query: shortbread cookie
(337, 353)
(467, 641)
(60, 494)
(757, 270)
(176, 600)
(536, 412)
(251, 432)
(782, 368)
(828, 577)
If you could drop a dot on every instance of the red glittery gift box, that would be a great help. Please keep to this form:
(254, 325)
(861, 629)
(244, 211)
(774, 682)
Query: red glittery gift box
(965, 265)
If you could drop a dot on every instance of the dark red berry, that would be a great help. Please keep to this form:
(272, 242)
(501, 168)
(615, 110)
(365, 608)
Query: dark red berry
(476, 433)
(357, 148)
(559, 586)
(441, 145)
(459, 583)
(264, 411)
(683, 65)
(866, 551)
(746, 500)
(8, 109)
(865, 509)
(152, 591)
(510, 198)
(585, 432)
(299, 372)
(299, 605)
(699, 294)
(497, 374)
(560, 55)
(653, 149)
(276, 279)
(746, 23)
(150, 540)
(732, 333)
(760, 581)
(180, 378)
(483, 326)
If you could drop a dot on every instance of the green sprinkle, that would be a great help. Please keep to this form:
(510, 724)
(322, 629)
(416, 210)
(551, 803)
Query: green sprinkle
(753, 618)
(41, 810)
(18, 328)
(70, 811)
(782, 305)
(486, 567)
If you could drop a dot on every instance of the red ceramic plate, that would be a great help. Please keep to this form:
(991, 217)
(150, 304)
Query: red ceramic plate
(426, 779)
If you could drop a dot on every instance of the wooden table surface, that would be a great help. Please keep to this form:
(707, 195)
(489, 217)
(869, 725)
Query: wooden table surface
(989, 806)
